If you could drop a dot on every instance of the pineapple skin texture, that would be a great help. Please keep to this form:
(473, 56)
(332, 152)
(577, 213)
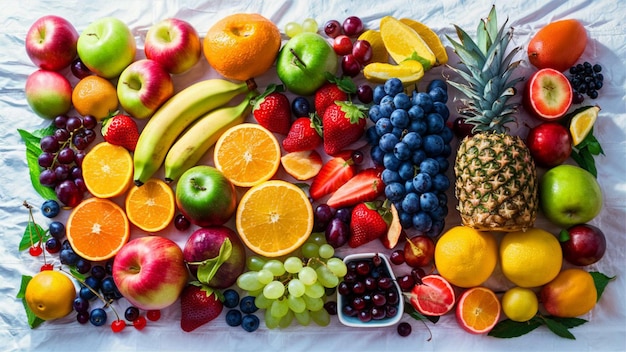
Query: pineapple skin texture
(496, 183)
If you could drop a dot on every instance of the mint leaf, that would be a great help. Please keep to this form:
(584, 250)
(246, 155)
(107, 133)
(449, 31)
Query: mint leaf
(600, 280)
(31, 140)
(31, 236)
(508, 328)
(208, 268)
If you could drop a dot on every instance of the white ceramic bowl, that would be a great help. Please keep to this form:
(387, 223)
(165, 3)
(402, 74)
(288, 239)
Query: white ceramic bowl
(355, 321)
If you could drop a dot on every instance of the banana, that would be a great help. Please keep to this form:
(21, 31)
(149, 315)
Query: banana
(174, 116)
(193, 144)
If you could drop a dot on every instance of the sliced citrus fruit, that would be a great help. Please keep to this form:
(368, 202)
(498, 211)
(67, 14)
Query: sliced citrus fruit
(107, 170)
(433, 297)
(478, 310)
(403, 43)
(409, 72)
(431, 38)
(151, 206)
(379, 52)
(274, 218)
(97, 229)
(582, 123)
(302, 165)
(247, 154)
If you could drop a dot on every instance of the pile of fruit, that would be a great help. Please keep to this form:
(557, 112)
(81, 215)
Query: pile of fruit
(363, 163)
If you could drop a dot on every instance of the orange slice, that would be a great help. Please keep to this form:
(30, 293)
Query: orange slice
(97, 229)
(478, 310)
(274, 218)
(302, 165)
(247, 154)
(151, 206)
(404, 43)
(431, 38)
(107, 170)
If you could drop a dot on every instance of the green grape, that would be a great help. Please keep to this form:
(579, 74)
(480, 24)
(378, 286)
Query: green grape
(279, 308)
(309, 25)
(313, 304)
(315, 291)
(326, 277)
(265, 276)
(307, 275)
(320, 317)
(303, 318)
(292, 29)
(295, 287)
(310, 249)
(275, 266)
(286, 320)
(271, 321)
(296, 304)
(326, 251)
(255, 293)
(337, 266)
(262, 302)
(293, 265)
(255, 263)
(318, 238)
(248, 281)
(274, 290)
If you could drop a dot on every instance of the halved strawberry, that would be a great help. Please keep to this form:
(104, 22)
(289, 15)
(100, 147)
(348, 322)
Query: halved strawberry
(333, 175)
(365, 186)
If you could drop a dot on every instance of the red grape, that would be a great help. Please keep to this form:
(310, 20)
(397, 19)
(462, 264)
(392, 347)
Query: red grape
(350, 65)
(79, 70)
(365, 93)
(342, 45)
(352, 26)
(362, 51)
(332, 28)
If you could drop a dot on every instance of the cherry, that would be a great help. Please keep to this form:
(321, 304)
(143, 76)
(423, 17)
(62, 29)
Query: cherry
(35, 251)
(342, 45)
(47, 266)
(140, 323)
(118, 325)
(362, 51)
(350, 65)
(352, 26)
(154, 315)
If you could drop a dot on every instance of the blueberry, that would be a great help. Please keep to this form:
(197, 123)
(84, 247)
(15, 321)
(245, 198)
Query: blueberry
(424, 100)
(391, 162)
(435, 123)
(379, 93)
(422, 221)
(402, 101)
(250, 322)
(83, 266)
(395, 191)
(300, 107)
(387, 142)
(433, 145)
(247, 305)
(377, 155)
(438, 213)
(108, 285)
(86, 294)
(406, 219)
(416, 112)
(399, 118)
(418, 126)
(233, 317)
(418, 156)
(386, 107)
(408, 186)
(447, 134)
(429, 166)
(402, 151)
(441, 109)
(406, 171)
(57, 230)
(436, 228)
(438, 94)
(413, 140)
(437, 83)
(411, 203)
(231, 298)
(371, 135)
(374, 113)
(68, 257)
(50, 208)
(389, 176)
(80, 304)
(443, 162)
(429, 201)
(422, 182)
(393, 86)
(441, 182)
(383, 126)
(98, 317)
(98, 272)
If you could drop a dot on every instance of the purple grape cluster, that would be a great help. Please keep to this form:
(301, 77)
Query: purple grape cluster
(334, 223)
(62, 155)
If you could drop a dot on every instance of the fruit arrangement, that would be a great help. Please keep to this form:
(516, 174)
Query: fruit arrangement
(367, 165)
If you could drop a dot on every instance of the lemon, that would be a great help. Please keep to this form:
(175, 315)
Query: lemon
(582, 123)
(520, 304)
(403, 43)
(379, 52)
(431, 38)
(409, 72)
(50, 295)
(532, 258)
(465, 256)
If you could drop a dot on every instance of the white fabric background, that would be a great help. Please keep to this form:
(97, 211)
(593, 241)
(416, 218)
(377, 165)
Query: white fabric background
(606, 329)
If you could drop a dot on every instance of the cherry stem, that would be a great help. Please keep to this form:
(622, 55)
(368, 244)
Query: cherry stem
(31, 219)
(106, 303)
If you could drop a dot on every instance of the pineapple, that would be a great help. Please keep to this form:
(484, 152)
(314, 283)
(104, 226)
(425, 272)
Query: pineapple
(496, 179)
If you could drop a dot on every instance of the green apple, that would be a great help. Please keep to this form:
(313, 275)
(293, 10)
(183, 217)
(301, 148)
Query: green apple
(304, 61)
(205, 196)
(106, 47)
(569, 195)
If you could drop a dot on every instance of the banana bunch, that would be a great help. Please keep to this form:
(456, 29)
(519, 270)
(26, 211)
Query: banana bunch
(196, 102)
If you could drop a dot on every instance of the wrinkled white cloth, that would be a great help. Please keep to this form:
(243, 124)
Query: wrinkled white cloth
(606, 329)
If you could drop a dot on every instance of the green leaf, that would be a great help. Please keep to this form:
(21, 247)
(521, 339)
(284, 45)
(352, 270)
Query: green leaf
(508, 328)
(600, 280)
(410, 310)
(25, 280)
(31, 140)
(425, 62)
(208, 268)
(569, 322)
(564, 236)
(32, 231)
(558, 328)
(33, 320)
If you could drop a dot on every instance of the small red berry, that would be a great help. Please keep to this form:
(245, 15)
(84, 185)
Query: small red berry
(35, 251)
(140, 323)
(47, 266)
(154, 315)
(118, 325)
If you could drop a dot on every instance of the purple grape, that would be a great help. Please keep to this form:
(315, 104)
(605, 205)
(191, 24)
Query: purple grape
(61, 172)
(48, 178)
(365, 93)
(80, 183)
(68, 193)
(49, 144)
(352, 26)
(80, 142)
(337, 233)
(344, 214)
(323, 213)
(79, 157)
(73, 123)
(89, 122)
(45, 159)
(79, 70)
(60, 121)
(61, 134)
(81, 305)
(332, 28)
(76, 172)
(66, 156)
(90, 135)
(181, 223)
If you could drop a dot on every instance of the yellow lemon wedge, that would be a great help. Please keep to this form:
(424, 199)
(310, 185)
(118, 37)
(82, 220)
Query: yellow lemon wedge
(582, 123)
(404, 43)
(431, 38)
(409, 72)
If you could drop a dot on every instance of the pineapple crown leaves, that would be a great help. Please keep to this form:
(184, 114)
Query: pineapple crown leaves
(488, 84)
(354, 112)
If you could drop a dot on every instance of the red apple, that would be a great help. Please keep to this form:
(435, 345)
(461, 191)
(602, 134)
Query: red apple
(550, 144)
(215, 256)
(143, 87)
(51, 42)
(150, 272)
(419, 251)
(548, 94)
(583, 244)
(173, 43)
(48, 93)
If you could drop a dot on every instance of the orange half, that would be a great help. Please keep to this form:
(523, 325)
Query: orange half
(151, 206)
(478, 310)
(107, 170)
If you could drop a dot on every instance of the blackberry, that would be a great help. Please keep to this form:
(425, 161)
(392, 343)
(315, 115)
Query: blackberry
(585, 79)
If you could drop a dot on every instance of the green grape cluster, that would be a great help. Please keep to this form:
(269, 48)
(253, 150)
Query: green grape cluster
(297, 287)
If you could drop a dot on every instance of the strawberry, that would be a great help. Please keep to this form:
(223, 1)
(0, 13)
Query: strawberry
(199, 305)
(368, 222)
(365, 186)
(333, 174)
(303, 135)
(336, 89)
(272, 109)
(121, 130)
(344, 123)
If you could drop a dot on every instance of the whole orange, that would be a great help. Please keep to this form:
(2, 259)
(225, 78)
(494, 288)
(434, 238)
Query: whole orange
(242, 46)
(558, 45)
